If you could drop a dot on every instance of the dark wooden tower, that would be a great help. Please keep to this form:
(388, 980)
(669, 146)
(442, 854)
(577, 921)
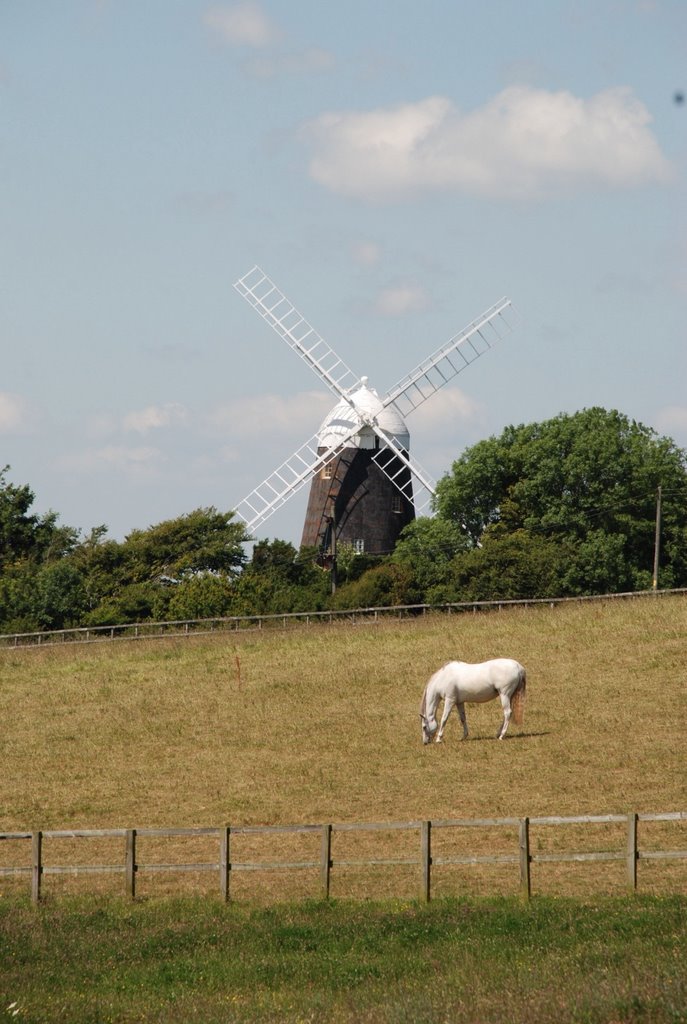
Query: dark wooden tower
(365, 492)
(354, 496)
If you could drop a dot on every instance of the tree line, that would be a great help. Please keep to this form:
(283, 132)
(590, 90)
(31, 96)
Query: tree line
(566, 507)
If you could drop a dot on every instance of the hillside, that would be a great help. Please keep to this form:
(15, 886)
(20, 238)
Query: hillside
(320, 723)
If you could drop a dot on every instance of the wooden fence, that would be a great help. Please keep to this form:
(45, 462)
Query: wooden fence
(286, 620)
(522, 858)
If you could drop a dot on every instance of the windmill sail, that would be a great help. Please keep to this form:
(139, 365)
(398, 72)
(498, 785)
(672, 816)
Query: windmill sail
(458, 353)
(283, 317)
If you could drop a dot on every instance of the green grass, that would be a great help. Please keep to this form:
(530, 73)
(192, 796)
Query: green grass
(553, 960)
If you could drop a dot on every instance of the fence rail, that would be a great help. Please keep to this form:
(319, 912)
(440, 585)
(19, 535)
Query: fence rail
(283, 620)
(223, 866)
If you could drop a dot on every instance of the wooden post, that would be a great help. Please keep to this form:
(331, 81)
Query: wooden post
(36, 865)
(326, 860)
(525, 859)
(130, 863)
(632, 853)
(657, 541)
(224, 862)
(426, 857)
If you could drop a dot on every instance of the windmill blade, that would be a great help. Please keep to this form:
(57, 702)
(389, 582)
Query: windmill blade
(464, 348)
(400, 480)
(287, 479)
(394, 471)
(283, 317)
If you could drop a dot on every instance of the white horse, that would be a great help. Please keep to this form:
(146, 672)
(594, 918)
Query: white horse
(458, 683)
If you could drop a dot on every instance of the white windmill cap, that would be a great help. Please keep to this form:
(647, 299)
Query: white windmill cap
(342, 419)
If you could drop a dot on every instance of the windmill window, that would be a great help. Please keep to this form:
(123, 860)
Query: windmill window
(396, 503)
(327, 472)
(359, 546)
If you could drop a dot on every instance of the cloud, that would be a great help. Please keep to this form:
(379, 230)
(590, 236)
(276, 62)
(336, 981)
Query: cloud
(400, 299)
(366, 253)
(155, 416)
(672, 421)
(268, 416)
(14, 413)
(132, 461)
(444, 411)
(522, 144)
(244, 24)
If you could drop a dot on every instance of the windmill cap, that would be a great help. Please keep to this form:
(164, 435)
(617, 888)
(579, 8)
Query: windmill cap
(342, 419)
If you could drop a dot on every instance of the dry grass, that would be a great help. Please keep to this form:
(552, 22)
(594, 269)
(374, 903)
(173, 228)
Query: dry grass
(321, 725)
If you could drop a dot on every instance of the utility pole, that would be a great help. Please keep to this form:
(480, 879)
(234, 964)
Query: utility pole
(657, 541)
(333, 549)
(331, 534)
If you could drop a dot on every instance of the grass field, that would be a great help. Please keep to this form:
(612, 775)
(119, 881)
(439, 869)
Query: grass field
(320, 724)
(485, 961)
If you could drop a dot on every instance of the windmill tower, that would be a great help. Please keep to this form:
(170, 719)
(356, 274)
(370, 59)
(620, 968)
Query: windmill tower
(358, 463)
(366, 491)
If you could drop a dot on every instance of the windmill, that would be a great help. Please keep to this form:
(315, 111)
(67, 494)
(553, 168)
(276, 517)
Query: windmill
(358, 462)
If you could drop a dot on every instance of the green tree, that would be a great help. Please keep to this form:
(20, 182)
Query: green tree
(586, 482)
(34, 591)
(25, 536)
(149, 574)
(204, 540)
(58, 597)
(207, 596)
(427, 548)
(280, 579)
(508, 567)
(384, 585)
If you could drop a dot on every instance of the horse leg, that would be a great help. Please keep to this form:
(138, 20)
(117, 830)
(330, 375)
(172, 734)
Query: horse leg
(463, 720)
(448, 706)
(505, 704)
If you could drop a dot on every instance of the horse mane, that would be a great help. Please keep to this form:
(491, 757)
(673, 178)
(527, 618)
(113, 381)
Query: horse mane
(518, 699)
(423, 703)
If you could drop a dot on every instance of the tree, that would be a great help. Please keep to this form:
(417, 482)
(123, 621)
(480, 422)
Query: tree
(35, 592)
(517, 565)
(207, 596)
(384, 585)
(24, 536)
(140, 578)
(58, 598)
(204, 540)
(585, 482)
(279, 579)
(277, 558)
(427, 548)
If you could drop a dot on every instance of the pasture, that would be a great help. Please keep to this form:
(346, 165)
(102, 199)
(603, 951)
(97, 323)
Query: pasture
(320, 724)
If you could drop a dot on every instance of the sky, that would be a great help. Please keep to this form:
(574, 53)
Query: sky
(395, 167)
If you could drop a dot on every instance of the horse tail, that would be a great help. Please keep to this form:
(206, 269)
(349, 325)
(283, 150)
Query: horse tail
(518, 698)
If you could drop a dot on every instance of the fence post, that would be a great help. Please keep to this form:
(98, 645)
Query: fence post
(426, 857)
(130, 863)
(525, 859)
(36, 865)
(224, 862)
(326, 860)
(632, 852)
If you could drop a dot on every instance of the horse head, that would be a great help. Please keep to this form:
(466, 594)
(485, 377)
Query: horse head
(429, 727)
